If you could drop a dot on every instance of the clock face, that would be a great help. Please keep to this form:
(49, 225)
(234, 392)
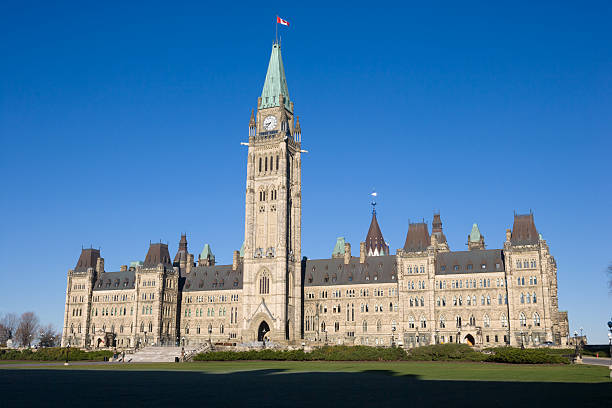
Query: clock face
(269, 122)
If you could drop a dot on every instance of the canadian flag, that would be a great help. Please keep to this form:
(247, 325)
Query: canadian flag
(281, 21)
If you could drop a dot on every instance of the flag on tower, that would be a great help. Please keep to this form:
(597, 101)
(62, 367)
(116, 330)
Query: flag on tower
(281, 21)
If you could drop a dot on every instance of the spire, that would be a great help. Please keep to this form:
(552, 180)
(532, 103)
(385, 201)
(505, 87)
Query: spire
(252, 121)
(475, 239)
(375, 243)
(436, 228)
(276, 82)
(206, 256)
(338, 251)
(181, 254)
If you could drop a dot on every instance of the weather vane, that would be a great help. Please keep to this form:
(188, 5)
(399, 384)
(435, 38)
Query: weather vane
(373, 194)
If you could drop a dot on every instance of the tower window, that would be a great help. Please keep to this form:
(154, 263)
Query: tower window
(266, 164)
(260, 164)
(277, 162)
(264, 285)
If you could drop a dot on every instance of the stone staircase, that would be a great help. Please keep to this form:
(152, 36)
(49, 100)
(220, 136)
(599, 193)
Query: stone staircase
(157, 354)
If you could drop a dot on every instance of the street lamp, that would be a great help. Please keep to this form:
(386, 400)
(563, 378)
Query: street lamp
(209, 332)
(610, 341)
(393, 336)
(67, 351)
(522, 342)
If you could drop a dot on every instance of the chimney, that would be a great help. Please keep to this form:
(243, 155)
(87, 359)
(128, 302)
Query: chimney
(189, 263)
(362, 252)
(347, 253)
(123, 268)
(100, 265)
(235, 260)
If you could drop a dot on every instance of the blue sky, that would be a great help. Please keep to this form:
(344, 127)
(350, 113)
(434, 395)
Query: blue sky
(121, 123)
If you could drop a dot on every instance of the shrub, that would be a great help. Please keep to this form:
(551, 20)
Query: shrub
(54, 354)
(514, 355)
(327, 353)
(445, 352)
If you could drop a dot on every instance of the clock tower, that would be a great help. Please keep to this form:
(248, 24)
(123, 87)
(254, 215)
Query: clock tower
(272, 284)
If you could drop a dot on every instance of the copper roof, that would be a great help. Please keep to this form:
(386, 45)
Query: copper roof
(88, 259)
(375, 243)
(158, 253)
(524, 231)
(417, 238)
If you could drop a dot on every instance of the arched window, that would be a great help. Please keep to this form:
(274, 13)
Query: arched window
(221, 328)
(536, 319)
(486, 321)
(504, 320)
(186, 329)
(264, 284)
(458, 321)
(423, 322)
(365, 326)
(472, 320)
(535, 300)
(482, 300)
(522, 319)
(260, 164)
(411, 322)
(522, 298)
(198, 329)
(442, 322)
(488, 300)
(378, 326)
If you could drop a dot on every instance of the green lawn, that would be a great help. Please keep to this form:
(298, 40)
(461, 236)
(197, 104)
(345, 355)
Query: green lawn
(270, 383)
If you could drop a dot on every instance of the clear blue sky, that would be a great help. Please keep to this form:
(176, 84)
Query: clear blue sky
(121, 124)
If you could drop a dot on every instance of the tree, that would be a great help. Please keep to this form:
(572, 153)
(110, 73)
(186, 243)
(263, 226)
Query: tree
(8, 326)
(27, 329)
(48, 337)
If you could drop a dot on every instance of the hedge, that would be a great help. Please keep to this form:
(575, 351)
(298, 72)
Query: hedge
(54, 354)
(512, 355)
(438, 352)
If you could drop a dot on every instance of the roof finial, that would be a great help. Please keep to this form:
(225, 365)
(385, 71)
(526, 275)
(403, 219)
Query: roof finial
(373, 203)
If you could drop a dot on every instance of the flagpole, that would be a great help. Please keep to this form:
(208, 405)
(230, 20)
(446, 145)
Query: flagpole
(276, 29)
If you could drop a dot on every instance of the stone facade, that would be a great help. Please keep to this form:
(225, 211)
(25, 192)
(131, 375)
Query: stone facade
(424, 294)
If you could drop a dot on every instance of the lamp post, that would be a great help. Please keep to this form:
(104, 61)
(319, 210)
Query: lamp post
(393, 336)
(209, 333)
(522, 342)
(610, 342)
(67, 351)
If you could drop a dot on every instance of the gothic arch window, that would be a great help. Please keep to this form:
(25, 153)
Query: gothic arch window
(221, 328)
(458, 321)
(378, 326)
(266, 164)
(264, 283)
(411, 322)
(504, 320)
(535, 300)
(260, 164)
(472, 320)
(487, 321)
(423, 322)
(442, 322)
(522, 319)
(365, 326)
(536, 319)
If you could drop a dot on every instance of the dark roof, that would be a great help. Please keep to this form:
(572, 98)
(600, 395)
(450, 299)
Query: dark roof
(460, 262)
(213, 277)
(181, 254)
(417, 238)
(333, 271)
(88, 259)
(436, 228)
(158, 253)
(374, 240)
(524, 231)
(115, 281)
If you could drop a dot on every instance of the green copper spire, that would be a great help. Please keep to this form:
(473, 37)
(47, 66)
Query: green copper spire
(339, 248)
(206, 252)
(276, 82)
(475, 234)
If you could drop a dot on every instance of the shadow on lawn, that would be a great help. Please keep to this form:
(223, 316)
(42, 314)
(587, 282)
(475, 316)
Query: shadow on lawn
(274, 387)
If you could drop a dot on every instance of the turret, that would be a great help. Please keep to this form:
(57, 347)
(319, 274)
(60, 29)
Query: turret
(252, 124)
(375, 243)
(475, 239)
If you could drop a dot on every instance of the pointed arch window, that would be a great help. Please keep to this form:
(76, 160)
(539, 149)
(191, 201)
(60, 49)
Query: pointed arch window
(378, 326)
(365, 326)
(442, 322)
(536, 319)
(522, 319)
(487, 321)
(504, 320)
(411, 322)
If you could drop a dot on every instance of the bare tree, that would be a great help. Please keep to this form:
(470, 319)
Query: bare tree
(27, 329)
(8, 326)
(48, 337)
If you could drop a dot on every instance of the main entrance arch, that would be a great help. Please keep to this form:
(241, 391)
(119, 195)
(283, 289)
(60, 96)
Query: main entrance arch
(469, 339)
(263, 329)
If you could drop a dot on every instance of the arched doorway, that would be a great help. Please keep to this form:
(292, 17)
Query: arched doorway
(263, 329)
(469, 339)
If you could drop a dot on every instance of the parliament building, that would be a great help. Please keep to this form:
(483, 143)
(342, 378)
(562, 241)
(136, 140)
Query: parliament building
(423, 294)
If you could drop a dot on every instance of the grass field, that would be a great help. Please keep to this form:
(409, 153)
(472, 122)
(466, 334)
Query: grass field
(270, 383)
